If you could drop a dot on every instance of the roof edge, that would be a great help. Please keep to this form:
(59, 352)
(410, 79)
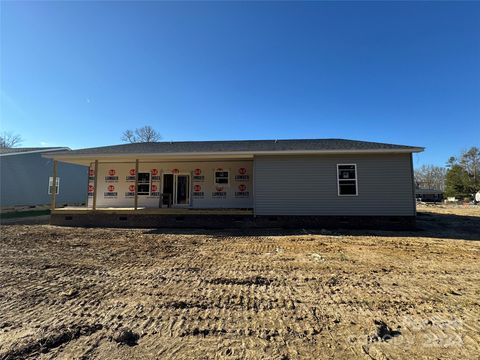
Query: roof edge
(236, 153)
(48, 150)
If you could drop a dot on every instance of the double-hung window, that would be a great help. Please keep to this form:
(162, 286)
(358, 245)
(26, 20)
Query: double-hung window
(50, 185)
(347, 179)
(221, 177)
(143, 187)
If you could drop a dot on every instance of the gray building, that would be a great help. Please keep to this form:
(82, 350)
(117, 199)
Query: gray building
(26, 178)
(429, 195)
(297, 182)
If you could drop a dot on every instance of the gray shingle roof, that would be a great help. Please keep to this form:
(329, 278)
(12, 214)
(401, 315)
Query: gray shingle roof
(4, 151)
(242, 146)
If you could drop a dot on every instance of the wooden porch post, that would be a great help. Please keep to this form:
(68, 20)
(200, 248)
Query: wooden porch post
(95, 183)
(88, 184)
(54, 186)
(136, 184)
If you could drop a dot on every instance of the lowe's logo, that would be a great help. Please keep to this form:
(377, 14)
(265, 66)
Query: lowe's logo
(241, 194)
(219, 194)
(241, 177)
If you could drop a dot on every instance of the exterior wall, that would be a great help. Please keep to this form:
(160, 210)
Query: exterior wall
(307, 185)
(24, 181)
(122, 180)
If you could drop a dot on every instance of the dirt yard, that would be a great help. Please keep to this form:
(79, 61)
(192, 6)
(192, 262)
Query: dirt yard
(76, 293)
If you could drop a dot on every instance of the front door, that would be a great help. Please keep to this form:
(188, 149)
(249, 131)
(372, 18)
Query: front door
(182, 190)
(167, 199)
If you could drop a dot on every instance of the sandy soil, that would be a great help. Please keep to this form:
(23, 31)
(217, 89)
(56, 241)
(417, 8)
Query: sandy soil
(30, 220)
(75, 293)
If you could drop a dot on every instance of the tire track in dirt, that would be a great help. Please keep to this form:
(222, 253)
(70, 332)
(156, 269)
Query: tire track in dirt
(193, 296)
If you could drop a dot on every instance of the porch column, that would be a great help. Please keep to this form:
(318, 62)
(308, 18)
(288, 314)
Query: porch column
(95, 183)
(54, 186)
(88, 184)
(136, 184)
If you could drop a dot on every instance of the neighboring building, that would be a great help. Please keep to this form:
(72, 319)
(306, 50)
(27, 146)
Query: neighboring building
(320, 182)
(26, 178)
(429, 195)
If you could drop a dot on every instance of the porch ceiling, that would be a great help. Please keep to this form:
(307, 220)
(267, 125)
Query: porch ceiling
(149, 158)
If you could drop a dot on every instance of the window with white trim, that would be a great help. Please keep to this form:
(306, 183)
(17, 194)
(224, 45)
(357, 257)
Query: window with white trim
(50, 185)
(143, 186)
(221, 177)
(347, 179)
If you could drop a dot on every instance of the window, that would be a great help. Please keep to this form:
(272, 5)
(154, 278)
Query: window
(221, 177)
(50, 185)
(143, 187)
(347, 179)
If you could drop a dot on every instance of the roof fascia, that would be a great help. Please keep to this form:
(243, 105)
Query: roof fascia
(232, 154)
(35, 151)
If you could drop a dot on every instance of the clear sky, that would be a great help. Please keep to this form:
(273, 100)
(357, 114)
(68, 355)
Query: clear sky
(79, 73)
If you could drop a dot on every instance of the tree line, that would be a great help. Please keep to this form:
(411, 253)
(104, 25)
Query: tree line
(460, 178)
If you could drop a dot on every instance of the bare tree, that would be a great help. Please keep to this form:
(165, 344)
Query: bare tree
(430, 177)
(128, 136)
(9, 140)
(143, 134)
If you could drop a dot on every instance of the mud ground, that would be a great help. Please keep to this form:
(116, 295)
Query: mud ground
(79, 293)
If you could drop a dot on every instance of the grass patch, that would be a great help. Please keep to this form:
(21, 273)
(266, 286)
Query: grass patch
(22, 214)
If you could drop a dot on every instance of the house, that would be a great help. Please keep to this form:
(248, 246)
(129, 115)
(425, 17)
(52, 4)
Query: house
(293, 183)
(429, 195)
(26, 178)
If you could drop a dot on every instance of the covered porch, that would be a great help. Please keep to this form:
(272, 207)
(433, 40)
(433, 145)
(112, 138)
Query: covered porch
(162, 185)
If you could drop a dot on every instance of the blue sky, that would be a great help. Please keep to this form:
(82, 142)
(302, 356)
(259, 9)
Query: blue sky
(78, 74)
